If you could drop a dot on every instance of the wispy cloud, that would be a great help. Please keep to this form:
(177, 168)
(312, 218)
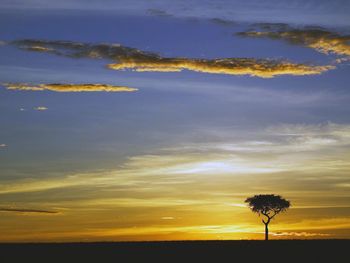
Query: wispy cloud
(296, 149)
(41, 108)
(59, 87)
(28, 211)
(141, 61)
(168, 218)
(322, 129)
(300, 234)
(157, 12)
(3, 145)
(223, 22)
(320, 39)
(193, 181)
(279, 139)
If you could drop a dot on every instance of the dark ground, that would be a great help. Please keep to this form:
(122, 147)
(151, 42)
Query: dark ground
(181, 251)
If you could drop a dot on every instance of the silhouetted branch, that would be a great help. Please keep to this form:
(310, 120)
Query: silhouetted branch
(269, 206)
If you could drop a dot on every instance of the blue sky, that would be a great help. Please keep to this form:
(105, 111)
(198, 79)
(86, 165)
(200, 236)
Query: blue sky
(189, 123)
(319, 12)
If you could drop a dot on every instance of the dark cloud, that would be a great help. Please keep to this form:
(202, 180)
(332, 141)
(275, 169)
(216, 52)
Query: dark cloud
(138, 60)
(157, 12)
(81, 50)
(271, 26)
(223, 22)
(35, 211)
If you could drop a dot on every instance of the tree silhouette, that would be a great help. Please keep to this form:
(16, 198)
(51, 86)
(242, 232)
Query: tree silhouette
(269, 206)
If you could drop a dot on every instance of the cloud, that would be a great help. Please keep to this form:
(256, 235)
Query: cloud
(323, 41)
(300, 234)
(26, 211)
(39, 48)
(263, 68)
(329, 130)
(277, 139)
(83, 50)
(3, 145)
(223, 22)
(345, 185)
(141, 61)
(286, 148)
(168, 218)
(341, 60)
(41, 108)
(149, 188)
(291, 157)
(68, 87)
(157, 12)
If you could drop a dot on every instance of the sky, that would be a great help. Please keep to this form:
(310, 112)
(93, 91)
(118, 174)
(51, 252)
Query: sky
(155, 120)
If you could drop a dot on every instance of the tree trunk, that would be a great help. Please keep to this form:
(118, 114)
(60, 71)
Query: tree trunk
(266, 232)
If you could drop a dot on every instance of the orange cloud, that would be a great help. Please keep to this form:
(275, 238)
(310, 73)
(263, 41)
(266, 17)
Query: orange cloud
(300, 234)
(263, 68)
(138, 60)
(68, 87)
(319, 39)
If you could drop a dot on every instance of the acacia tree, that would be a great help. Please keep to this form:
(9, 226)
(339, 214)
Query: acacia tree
(269, 206)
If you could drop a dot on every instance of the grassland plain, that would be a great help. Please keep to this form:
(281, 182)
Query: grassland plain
(180, 251)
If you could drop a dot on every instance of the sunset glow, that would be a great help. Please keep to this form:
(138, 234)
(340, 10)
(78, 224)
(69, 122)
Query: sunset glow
(156, 120)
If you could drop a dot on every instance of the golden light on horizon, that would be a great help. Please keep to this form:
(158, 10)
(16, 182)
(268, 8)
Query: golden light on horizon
(182, 193)
(154, 121)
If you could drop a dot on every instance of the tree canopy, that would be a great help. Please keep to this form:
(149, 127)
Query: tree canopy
(268, 205)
